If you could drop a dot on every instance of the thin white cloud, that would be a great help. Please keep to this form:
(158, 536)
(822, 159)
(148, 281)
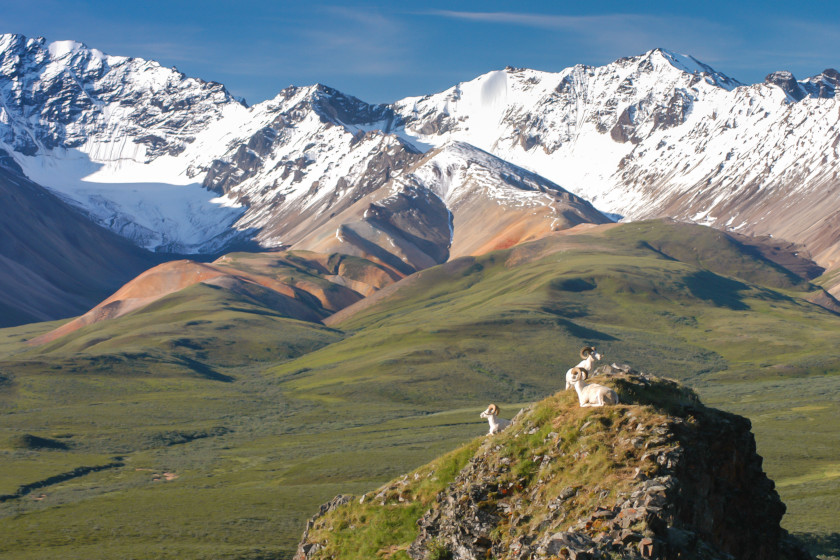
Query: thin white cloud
(628, 34)
(771, 44)
(545, 21)
(355, 41)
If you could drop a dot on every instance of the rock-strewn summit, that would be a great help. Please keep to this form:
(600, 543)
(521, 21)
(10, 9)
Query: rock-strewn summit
(661, 476)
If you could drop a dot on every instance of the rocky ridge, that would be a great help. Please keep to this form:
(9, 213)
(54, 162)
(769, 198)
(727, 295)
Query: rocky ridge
(661, 477)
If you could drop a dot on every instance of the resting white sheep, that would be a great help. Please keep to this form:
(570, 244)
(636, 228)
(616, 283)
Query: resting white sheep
(496, 424)
(592, 394)
(589, 356)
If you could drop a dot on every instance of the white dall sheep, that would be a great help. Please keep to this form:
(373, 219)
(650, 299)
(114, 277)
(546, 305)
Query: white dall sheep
(496, 424)
(592, 394)
(589, 356)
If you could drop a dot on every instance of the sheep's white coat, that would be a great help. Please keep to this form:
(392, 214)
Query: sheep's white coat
(496, 424)
(586, 364)
(592, 394)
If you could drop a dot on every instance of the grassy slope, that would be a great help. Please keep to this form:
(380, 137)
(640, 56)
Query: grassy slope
(385, 520)
(310, 412)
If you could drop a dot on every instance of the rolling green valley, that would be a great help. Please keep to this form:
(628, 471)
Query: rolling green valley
(214, 421)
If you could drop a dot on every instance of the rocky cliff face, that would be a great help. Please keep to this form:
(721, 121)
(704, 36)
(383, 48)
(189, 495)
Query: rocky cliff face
(65, 95)
(659, 476)
(112, 135)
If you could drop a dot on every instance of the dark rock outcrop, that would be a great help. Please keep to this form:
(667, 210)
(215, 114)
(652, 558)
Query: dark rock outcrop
(787, 83)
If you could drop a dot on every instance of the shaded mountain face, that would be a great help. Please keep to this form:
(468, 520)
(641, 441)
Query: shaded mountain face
(55, 262)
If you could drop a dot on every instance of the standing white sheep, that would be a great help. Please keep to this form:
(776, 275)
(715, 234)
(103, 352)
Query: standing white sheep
(496, 424)
(592, 394)
(589, 356)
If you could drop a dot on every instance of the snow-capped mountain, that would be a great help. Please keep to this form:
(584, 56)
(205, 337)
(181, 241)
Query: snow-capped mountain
(660, 135)
(109, 133)
(178, 164)
(125, 147)
(303, 156)
(573, 127)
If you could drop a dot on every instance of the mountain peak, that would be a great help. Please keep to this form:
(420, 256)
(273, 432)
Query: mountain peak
(690, 65)
(823, 85)
(344, 109)
(59, 49)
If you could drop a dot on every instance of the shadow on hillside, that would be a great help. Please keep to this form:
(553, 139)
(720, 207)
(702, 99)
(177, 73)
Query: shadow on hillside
(204, 370)
(826, 545)
(718, 290)
(583, 333)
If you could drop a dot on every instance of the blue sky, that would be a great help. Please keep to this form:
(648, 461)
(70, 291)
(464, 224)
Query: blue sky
(382, 51)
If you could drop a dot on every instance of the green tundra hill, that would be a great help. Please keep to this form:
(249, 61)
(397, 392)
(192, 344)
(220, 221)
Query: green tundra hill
(211, 425)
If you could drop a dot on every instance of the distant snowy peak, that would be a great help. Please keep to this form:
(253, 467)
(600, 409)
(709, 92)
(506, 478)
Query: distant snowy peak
(515, 110)
(65, 95)
(347, 110)
(689, 65)
(330, 104)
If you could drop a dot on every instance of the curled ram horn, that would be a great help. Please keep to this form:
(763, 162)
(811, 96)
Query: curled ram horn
(579, 373)
(586, 351)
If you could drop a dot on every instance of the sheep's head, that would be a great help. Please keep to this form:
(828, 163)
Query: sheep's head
(586, 351)
(492, 410)
(579, 374)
